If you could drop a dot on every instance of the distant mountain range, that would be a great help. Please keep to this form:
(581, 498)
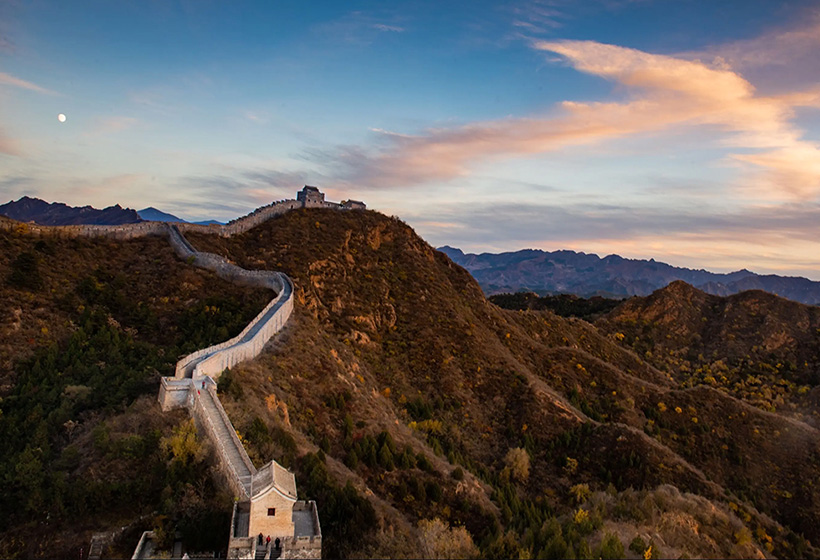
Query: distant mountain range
(151, 214)
(28, 209)
(586, 275)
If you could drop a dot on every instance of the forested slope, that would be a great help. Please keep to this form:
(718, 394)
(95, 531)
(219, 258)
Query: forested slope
(534, 432)
(88, 327)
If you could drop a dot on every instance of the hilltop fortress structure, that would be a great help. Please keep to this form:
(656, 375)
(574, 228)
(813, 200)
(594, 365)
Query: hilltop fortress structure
(266, 501)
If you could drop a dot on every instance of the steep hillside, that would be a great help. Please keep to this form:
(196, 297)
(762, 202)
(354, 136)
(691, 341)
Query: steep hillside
(531, 430)
(88, 326)
(754, 345)
(423, 419)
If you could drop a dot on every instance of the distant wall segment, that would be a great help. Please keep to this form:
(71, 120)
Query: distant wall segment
(306, 198)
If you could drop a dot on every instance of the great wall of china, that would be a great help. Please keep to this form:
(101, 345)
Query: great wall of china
(259, 493)
(305, 199)
(194, 387)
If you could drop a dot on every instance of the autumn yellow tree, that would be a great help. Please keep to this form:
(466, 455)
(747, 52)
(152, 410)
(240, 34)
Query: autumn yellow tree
(439, 540)
(517, 463)
(182, 444)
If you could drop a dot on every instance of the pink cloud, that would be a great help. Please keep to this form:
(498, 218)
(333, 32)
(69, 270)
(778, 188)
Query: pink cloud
(9, 80)
(665, 92)
(794, 168)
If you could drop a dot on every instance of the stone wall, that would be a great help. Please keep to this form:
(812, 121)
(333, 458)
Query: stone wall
(141, 229)
(248, 344)
(237, 480)
(175, 393)
(251, 341)
(208, 364)
(124, 231)
(144, 548)
(310, 506)
(243, 224)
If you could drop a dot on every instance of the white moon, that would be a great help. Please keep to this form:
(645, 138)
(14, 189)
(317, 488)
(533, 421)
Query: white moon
(61, 117)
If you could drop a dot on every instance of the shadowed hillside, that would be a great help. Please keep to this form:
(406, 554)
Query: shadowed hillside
(431, 400)
(88, 326)
(754, 345)
(423, 419)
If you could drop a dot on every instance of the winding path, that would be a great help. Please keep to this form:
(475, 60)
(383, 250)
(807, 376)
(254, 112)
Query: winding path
(194, 383)
(212, 361)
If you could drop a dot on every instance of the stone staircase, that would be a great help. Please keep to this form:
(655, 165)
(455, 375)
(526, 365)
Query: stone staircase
(231, 449)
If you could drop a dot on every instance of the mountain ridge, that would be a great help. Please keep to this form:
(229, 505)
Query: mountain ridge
(152, 214)
(28, 209)
(32, 209)
(587, 274)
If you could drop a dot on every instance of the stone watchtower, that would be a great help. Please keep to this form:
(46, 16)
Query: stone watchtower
(310, 197)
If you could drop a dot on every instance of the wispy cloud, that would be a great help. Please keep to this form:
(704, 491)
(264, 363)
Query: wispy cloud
(356, 28)
(664, 92)
(537, 16)
(9, 80)
(385, 27)
(12, 185)
(780, 237)
(229, 193)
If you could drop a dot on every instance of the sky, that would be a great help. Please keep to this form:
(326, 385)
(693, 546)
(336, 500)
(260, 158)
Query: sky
(681, 130)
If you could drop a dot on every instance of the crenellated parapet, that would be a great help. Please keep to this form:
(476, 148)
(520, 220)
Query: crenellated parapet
(212, 361)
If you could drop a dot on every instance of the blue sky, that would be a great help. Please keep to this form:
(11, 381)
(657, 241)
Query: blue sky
(687, 131)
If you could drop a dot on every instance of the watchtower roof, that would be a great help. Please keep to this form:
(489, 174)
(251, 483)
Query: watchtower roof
(273, 475)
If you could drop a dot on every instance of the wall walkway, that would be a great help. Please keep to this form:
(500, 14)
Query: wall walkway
(194, 383)
(212, 361)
